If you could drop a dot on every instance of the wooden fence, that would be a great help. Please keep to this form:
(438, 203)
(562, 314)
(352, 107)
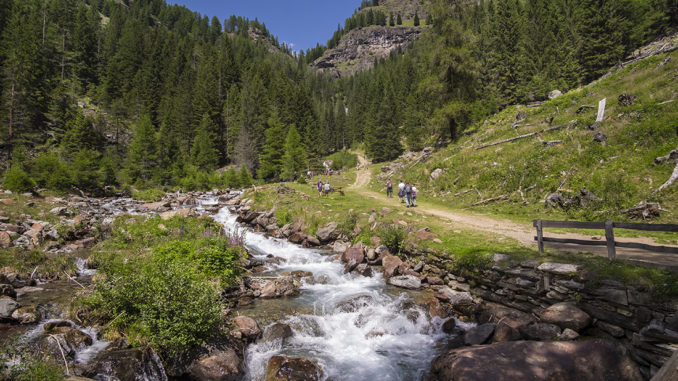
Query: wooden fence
(608, 226)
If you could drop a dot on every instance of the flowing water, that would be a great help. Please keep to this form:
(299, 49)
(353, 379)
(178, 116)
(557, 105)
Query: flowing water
(355, 327)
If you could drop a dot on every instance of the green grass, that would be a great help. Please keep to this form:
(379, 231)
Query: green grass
(622, 172)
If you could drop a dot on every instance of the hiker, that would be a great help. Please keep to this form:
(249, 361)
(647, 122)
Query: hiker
(414, 196)
(408, 194)
(328, 189)
(319, 184)
(389, 189)
(401, 191)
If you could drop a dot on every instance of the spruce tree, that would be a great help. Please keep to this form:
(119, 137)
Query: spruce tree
(391, 20)
(295, 154)
(399, 20)
(416, 18)
(246, 180)
(204, 155)
(271, 160)
(142, 156)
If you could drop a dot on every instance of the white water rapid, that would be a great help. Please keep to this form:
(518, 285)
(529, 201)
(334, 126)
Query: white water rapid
(359, 328)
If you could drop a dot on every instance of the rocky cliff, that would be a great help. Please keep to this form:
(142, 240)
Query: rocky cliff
(361, 48)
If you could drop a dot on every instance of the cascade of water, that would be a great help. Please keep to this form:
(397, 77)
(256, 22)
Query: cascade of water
(360, 328)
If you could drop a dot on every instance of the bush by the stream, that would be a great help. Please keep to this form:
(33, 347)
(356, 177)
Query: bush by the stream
(167, 296)
(17, 180)
(393, 237)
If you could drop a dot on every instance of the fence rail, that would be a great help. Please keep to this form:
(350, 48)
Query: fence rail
(608, 226)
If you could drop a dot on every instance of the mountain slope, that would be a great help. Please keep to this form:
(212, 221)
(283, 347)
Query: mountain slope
(614, 159)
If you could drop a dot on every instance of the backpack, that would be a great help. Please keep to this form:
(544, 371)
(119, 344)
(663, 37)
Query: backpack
(408, 190)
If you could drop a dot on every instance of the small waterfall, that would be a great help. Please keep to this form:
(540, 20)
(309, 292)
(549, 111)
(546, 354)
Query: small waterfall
(359, 328)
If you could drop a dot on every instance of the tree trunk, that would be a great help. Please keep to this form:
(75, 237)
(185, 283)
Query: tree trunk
(454, 134)
(10, 136)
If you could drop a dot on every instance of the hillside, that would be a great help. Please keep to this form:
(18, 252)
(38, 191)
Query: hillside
(567, 153)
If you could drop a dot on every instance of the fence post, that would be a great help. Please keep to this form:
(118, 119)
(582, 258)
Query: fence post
(609, 236)
(540, 236)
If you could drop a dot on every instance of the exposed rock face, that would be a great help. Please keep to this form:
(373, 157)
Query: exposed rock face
(529, 360)
(359, 49)
(281, 368)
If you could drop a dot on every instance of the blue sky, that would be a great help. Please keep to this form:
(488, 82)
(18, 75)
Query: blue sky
(302, 23)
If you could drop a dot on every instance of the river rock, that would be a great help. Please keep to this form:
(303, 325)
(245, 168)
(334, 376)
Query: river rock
(591, 360)
(280, 287)
(568, 334)
(26, 315)
(391, 264)
(364, 269)
(282, 368)
(297, 237)
(541, 331)
(340, 246)
(409, 282)
(7, 307)
(61, 211)
(479, 334)
(493, 312)
(178, 212)
(350, 266)
(127, 364)
(566, 315)
(7, 290)
(449, 325)
(248, 327)
(328, 232)
(220, 366)
(277, 331)
(159, 206)
(354, 253)
(504, 332)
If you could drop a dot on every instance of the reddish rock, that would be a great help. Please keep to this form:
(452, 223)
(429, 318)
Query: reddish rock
(5, 240)
(424, 235)
(248, 327)
(298, 237)
(391, 264)
(221, 366)
(354, 253)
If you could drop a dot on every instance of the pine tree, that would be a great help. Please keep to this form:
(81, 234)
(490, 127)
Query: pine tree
(205, 156)
(391, 20)
(142, 155)
(271, 160)
(429, 19)
(399, 21)
(383, 138)
(294, 159)
(246, 180)
(416, 18)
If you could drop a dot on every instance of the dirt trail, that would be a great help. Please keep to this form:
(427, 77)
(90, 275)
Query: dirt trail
(523, 233)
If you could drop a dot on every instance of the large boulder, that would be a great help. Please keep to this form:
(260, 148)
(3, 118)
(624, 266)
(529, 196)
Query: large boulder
(354, 253)
(26, 315)
(541, 331)
(496, 313)
(328, 232)
(277, 332)
(248, 327)
(282, 368)
(409, 282)
(479, 334)
(7, 290)
(566, 315)
(7, 307)
(186, 212)
(280, 287)
(220, 366)
(391, 264)
(127, 364)
(591, 360)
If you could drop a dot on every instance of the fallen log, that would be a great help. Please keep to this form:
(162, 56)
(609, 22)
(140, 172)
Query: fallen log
(554, 128)
(493, 199)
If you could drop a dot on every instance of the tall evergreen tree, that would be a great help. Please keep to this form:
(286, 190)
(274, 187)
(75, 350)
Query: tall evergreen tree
(142, 156)
(204, 155)
(294, 159)
(272, 157)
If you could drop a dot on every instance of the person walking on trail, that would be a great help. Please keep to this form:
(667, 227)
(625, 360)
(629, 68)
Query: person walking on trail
(389, 189)
(408, 194)
(319, 184)
(414, 196)
(401, 191)
(328, 189)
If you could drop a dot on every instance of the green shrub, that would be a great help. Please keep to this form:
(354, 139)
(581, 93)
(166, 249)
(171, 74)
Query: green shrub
(34, 369)
(152, 194)
(343, 159)
(245, 177)
(302, 180)
(230, 179)
(393, 237)
(49, 172)
(17, 180)
(283, 217)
